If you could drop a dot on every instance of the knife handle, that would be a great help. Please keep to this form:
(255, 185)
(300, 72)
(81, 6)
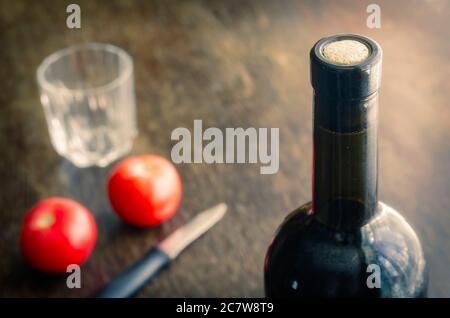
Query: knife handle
(132, 279)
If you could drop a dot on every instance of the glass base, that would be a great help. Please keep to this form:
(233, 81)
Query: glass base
(84, 160)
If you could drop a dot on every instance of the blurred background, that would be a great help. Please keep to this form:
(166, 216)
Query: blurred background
(231, 64)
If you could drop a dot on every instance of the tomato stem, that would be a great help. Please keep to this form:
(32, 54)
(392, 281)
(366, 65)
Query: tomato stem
(44, 221)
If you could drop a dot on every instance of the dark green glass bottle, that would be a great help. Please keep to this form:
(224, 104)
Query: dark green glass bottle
(345, 243)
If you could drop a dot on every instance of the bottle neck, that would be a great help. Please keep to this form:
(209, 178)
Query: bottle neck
(345, 173)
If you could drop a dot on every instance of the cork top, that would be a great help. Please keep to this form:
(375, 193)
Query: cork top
(345, 52)
(345, 67)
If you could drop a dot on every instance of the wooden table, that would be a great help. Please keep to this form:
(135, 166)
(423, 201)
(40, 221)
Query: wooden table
(231, 64)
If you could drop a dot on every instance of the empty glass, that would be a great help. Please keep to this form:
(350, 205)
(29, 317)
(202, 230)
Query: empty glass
(87, 92)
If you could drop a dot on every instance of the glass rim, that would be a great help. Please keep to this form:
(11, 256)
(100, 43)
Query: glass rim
(57, 55)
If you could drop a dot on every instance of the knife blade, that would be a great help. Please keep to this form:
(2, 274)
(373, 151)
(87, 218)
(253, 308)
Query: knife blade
(132, 279)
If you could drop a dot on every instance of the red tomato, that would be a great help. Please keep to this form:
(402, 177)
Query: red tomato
(57, 232)
(145, 190)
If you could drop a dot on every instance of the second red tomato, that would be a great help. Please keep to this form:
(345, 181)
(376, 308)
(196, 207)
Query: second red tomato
(145, 190)
(57, 232)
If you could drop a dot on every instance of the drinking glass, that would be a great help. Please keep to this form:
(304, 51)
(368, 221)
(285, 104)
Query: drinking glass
(87, 92)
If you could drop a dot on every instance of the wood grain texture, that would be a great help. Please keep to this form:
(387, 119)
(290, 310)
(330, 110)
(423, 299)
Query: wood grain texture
(231, 64)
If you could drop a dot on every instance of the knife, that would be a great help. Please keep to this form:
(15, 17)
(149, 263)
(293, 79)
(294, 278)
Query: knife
(132, 279)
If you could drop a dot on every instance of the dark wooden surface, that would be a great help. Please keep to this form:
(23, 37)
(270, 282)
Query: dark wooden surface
(231, 64)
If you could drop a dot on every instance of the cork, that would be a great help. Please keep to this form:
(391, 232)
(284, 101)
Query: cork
(346, 52)
(345, 68)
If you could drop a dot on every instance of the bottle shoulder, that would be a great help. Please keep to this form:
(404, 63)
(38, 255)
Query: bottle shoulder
(386, 241)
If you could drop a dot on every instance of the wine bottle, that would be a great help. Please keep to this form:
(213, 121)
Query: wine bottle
(345, 243)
